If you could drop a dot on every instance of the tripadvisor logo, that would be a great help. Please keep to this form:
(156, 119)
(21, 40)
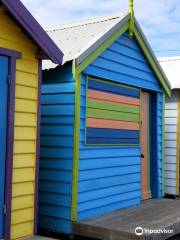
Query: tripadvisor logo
(139, 231)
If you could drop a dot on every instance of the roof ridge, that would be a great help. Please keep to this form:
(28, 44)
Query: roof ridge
(85, 22)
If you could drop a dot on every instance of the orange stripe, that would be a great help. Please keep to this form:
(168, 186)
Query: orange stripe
(110, 97)
(111, 124)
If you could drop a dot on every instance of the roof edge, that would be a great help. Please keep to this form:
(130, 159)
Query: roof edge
(82, 61)
(34, 29)
(101, 40)
(152, 59)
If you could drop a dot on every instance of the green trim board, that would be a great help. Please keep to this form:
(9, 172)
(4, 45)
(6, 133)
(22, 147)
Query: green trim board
(131, 24)
(151, 61)
(77, 78)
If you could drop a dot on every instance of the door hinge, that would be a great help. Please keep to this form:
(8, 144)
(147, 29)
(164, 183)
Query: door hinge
(4, 210)
(8, 79)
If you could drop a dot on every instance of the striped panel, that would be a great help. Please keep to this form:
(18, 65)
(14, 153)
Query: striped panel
(93, 94)
(113, 114)
(113, 88)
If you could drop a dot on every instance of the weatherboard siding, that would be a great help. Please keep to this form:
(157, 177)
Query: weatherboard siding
(57, 130)
(171, 123)
(25, 129)
(110, 176)
(124, 62)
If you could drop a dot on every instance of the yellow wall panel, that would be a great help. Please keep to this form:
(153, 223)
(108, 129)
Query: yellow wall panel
(21, 79)
(25, 133)
(24, 160)
(21, 230)
(10, 44)
(8, 33)
(24, 146)
(22, 189)
(25, 119)
(23, 175)
(23, 202)
(23, 105)
(27, 66)
(22, 215)
(26, 91)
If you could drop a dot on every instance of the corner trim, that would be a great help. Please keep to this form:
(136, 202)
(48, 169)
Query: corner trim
(37, 147)
(77, 78)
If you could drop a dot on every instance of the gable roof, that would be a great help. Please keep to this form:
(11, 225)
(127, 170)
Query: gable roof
(171, 66)
(75, 38)
(34, 30)
(82, 39)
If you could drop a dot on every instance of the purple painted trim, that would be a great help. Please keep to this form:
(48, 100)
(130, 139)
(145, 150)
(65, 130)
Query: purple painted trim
(37, 148)
(10, 53)
(10, 144)
(34, 29)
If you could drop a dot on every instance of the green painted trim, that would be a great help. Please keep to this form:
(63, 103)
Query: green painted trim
(131, 23)
(106, 114)
(111, 145)
(77, 78)
(151, 62)
(102, 48)
(113, 83)
(163, 141)
(117, 107)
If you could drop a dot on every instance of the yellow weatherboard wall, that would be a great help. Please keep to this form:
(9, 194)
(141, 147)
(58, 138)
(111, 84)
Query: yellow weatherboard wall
(25, 130)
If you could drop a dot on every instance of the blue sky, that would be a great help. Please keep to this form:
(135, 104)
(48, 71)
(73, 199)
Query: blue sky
(159, 19)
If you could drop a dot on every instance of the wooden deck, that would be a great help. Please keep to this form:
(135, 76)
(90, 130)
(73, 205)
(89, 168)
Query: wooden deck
(120, 225)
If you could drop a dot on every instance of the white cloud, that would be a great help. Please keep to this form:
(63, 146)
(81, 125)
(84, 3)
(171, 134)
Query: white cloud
(160, 19)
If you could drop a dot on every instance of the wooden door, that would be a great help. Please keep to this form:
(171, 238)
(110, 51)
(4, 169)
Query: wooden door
(144, 135)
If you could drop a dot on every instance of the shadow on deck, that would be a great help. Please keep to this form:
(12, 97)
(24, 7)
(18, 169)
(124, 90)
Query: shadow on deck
(154, 214)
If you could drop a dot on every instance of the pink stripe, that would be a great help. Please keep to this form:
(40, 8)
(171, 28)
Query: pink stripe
(111, 124)
(110, 97)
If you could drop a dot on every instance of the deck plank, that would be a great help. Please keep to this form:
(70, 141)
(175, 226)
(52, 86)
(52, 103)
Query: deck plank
(121, 224)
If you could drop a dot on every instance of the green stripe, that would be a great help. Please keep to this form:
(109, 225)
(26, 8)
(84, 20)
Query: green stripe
(113, 106)
(77, 78)
(105, 114)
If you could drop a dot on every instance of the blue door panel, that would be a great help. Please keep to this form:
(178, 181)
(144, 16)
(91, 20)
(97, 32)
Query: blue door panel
(3, 128)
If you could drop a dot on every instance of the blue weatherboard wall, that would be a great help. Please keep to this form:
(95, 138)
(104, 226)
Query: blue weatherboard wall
(56, 149)
(3, 117)
(110, 177)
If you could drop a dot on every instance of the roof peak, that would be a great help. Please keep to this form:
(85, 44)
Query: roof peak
(88, 21)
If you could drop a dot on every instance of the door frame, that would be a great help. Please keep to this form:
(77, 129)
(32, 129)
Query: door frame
(12, 55)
